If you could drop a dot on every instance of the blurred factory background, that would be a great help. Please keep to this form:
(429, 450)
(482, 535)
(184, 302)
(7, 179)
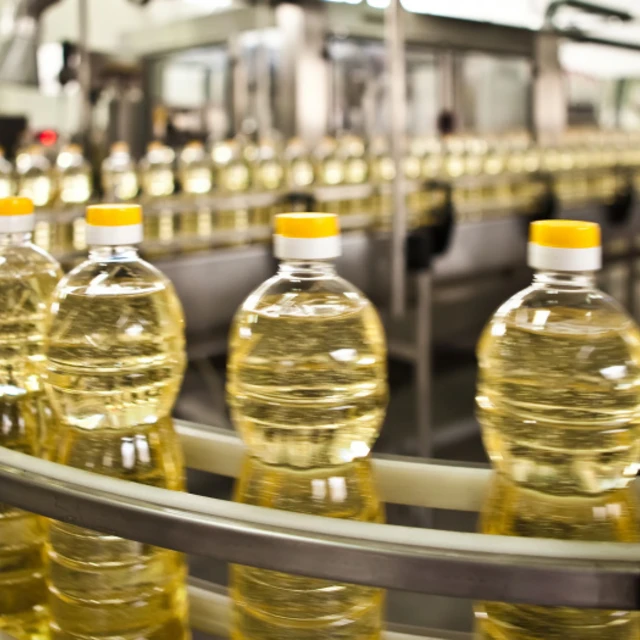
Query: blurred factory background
(437, 129)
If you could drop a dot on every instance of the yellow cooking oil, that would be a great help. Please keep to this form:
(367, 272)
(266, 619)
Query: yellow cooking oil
(268, 181)
(356, 206)
(27, 278)
(330, 171)
(196, 178)
(307, 387)
(114, 364)
(157, 180)
(270, 605)
(36, 182)
(559, 369)
(513, 510)
(383, 173)
(233, 179)
(74, 178)
(119, 175)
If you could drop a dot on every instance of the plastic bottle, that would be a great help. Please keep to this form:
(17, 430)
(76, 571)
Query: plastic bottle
(353, 152)
(308, 391)
(268, 181)
(196, 178)
(35, 181)
(232, 174)
(299, 170)
(559, 407)
(115, 360)
(75, 187)
(27, 278)
(157, 180)
(119, 175)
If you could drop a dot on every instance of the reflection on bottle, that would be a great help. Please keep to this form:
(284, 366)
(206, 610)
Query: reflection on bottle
(269, 605)
(511, 510)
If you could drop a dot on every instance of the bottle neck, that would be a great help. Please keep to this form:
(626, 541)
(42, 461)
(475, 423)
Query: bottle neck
(307, 269)
(565, 279)
(15, 239)
(101, 253)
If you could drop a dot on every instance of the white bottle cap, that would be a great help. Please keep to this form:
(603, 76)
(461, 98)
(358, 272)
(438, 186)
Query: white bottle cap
(565, 245)
(16, 215)
(114, 224)
(307, 236)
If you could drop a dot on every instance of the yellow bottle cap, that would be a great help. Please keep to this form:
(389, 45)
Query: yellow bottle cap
(114, 215)
(565, 234)
(307, 225)
(16, 206)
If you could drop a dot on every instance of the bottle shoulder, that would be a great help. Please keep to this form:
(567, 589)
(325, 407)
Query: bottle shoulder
(28, 258)
(585, 313)
(116, 276)
(290, 296)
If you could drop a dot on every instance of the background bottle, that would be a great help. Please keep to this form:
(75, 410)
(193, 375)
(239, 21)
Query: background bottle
(157, 179)
(35, 181)
(196, 178)
(75, 187)
(558, 403)
(27, 279)
(119, 175)
(232, 174)
(115, 360)
(308, 390)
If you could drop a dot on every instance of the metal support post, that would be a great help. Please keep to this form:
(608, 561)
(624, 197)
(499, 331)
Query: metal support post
(423, 364)
(84, 72)
(396, 72)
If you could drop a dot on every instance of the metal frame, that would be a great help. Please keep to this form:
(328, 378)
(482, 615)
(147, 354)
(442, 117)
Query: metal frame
(497, 568)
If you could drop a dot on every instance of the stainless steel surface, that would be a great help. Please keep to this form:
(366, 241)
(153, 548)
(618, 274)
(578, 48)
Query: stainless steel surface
(423, 366)
(397, 83)
(215, 28)
(84, 72)
(361, 21)
(18, 48)
(559, 573)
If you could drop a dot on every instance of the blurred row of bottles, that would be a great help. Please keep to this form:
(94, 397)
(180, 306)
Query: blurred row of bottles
(228, 194)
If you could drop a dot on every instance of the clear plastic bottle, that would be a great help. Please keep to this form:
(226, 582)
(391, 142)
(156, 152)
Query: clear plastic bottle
(558, 403)
(157, 179)
(119, 175)
(75, 187)
(383, 172)
(232, 174)
(7, 178)
(299, 170)
(35, 177)
(308, 391)
(35, 181)
(196, 178)
(115, 360)
(268, 179)
(27, 278)
(353, 152)
(318, 401)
